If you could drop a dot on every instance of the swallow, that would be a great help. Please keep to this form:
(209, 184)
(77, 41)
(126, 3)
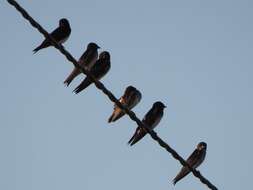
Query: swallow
(60, 35)
(87, 60)
(130, 99)
(100, 68)
(151, 120)
(194, 160)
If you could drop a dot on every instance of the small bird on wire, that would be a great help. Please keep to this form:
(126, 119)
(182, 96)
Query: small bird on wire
(194, 160)
(87, 60)
(60, 35)
(130, 99)
(151, 120)
(100, 68)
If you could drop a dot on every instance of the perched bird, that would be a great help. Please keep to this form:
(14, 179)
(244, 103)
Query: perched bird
(151, 120)
(87, 60)
(100, 68)
(60, 35)
(130, 99)
(195, 159)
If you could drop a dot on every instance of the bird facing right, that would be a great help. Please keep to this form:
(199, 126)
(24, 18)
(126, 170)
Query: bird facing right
(194, 160)
(151, 120)
(87, 60)
(60, 35)
(99, 70)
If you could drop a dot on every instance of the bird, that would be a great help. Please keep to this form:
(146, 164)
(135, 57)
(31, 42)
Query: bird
(130, 99)
(60, 35)
(151, 120)
(194, 160)
(87, 60)
(100, 68)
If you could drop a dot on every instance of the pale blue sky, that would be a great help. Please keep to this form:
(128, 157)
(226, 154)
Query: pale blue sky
(195, 56)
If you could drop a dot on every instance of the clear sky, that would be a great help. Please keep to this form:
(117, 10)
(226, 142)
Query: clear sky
(195, 56)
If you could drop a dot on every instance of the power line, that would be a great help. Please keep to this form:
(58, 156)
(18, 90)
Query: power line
(110, 95)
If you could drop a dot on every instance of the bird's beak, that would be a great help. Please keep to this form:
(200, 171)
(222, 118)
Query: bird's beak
(99, 47)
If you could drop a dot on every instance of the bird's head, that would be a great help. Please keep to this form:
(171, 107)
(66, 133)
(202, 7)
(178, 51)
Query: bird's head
(130, 88)
(105, 55)
(159, 105)
(93, 45)
(63, 22)
(202, 146)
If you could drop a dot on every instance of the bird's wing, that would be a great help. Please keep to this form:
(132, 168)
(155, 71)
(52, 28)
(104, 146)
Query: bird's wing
(59, 34)
(100, 69)
(132, 100)
(152, 118)
(89, 58)
(138, 135)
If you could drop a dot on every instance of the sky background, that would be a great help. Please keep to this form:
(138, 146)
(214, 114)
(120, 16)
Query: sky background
(195, 56)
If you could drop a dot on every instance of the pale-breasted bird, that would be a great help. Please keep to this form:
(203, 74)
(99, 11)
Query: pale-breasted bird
(60, 35)
(194, 160)
(87, 60)
(100, 68)
(151, 120)
(130, 99)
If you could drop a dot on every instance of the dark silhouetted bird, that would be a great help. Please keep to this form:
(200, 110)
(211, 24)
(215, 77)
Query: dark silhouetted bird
(151, 120)
(60, 35)
(195, 159)
(130, 99)
(100, 68)
(87, 60)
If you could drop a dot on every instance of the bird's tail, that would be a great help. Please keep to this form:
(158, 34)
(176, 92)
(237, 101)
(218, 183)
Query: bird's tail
(181, 174)
(86, 82)
(43, 45)
(37, 49)
(111, 118)
(130, 142)
(71, 77)
(138, 135)
(118, 113)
